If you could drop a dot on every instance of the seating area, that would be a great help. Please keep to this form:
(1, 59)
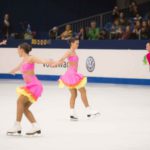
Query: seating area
(119, 24)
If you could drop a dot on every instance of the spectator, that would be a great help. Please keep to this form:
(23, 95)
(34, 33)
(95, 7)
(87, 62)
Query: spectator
(115, 29)
(6, 26)
(148, 23)
(122, 19)
(137, 30)
(93, 32)
(133, 9)
(115, 13)
(127, 34)
(103, 35)
(148, 27)
(144, 30)
(137, 17)
(81, 35)
(28, 30)
(112, 32)
(119, 33)
(53, 33)
(28, 33)
(28, 36)
(67, 34)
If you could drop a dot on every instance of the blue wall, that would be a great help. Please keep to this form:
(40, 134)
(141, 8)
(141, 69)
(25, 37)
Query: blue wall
(97, 44)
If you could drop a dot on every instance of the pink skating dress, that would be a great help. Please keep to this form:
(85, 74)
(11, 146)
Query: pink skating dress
(72, 79)
(33, 88)
(148, 57)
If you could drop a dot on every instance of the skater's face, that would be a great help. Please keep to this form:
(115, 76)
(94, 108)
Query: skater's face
(20, 51)
(75, 44)
(148, 47)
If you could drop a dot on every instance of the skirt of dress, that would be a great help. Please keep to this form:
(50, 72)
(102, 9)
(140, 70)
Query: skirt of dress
(32, 90)
(72, 79)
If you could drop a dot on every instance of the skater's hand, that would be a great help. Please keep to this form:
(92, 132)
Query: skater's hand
(54, 64)
(12, 72)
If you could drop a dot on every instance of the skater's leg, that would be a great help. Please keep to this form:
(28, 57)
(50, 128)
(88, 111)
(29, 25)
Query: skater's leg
(16, 129)
(22, 100)
(28, 113)
(84, 97)
(73, 97)
(89, 111)
(35, 127)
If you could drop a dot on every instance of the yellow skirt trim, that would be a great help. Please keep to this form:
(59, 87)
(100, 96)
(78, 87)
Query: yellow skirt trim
(24, 92)
(81, 84)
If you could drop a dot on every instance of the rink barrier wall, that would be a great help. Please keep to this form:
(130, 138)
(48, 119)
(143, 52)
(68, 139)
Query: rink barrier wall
(118, 62)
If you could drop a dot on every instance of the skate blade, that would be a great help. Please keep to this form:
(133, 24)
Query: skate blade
(13, 134)
(34, 134)
(93, 115)
(71, 119)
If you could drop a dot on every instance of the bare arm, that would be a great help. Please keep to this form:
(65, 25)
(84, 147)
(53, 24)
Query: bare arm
(62, 59)
(41, 61)
(16, 69)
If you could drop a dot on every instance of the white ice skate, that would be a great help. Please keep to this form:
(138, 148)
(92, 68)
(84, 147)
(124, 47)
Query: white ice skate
(73, 117)
(92, 113)
(35, 131)
(15, 130)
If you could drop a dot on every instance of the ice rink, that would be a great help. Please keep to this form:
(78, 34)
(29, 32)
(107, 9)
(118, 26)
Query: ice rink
(124, 123)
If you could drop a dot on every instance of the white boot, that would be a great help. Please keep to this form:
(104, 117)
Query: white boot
(91, 112)
(35, 130)
(15, 130)
(73, 116)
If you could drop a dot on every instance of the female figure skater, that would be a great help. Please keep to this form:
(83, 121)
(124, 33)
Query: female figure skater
(73, 80)
(29, 93)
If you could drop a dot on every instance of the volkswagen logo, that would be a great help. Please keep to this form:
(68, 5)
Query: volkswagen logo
(90, 64)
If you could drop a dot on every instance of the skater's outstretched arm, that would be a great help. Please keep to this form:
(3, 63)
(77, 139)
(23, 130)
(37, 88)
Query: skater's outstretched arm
(37, 60)
(16, 69)
(62, 59)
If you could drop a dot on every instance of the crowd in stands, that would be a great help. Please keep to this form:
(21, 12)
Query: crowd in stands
(91, 33)
(130, 24)
(6, 30)
(125, 24)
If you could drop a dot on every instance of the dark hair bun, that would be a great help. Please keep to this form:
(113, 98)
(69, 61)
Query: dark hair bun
(73, 39)
(26, 47)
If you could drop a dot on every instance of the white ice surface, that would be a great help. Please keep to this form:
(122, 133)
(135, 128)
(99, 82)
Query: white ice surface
(124, 123)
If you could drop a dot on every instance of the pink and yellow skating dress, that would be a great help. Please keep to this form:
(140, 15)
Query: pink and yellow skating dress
(72, 79)
(33, 88)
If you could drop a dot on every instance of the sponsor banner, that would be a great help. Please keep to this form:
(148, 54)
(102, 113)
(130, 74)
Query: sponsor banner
(92, 63)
